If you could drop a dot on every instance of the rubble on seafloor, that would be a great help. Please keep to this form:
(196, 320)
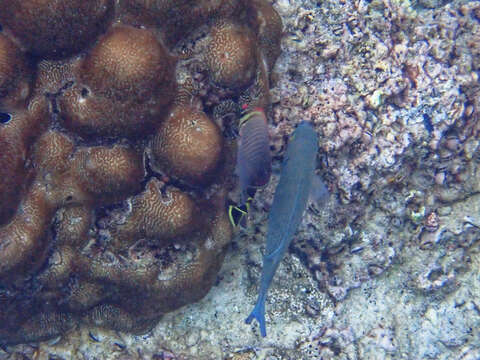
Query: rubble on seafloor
(389, 267)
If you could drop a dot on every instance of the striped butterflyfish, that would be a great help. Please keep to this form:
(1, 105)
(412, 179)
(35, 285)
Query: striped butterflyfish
(254, 162)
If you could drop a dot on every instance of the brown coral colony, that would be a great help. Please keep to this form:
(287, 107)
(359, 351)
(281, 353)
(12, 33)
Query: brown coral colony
(113, 182)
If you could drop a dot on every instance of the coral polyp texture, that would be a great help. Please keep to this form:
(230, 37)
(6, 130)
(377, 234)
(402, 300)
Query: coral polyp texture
(114, 173)
(15, 76)
(188, 144)
(55, 28)
(231, 57)
(125, 83)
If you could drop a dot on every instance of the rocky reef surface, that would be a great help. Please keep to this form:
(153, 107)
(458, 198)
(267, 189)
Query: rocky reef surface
(388, 269)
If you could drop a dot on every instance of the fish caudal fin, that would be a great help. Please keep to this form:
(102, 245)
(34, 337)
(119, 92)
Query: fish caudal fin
(258, 313)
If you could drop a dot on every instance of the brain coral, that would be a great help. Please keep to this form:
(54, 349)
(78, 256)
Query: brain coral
(16, 136)
(122, 86)
(14, 73)
(188, 144)
(230, 56)
(55, 28)
(115, 178)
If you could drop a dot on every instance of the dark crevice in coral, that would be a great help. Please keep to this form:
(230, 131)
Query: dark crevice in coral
(183, 186)
(53, 103)
(52, 97)
(5, 117)
(44, 266)
(90, 141)
(85, 92)
(151, 173)
(67, 85)
(102, 214)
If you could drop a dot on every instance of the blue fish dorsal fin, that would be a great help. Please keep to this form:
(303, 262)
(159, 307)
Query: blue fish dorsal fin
(258, 313)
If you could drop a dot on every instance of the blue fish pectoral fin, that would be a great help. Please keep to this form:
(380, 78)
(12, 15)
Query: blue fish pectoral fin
(258, 313)
(318, 190)
(273, 254)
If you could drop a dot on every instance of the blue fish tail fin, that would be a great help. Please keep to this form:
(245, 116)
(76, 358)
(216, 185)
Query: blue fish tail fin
(258, 313)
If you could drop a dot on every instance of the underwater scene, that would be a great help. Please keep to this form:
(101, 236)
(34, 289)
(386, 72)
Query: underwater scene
(239, 179)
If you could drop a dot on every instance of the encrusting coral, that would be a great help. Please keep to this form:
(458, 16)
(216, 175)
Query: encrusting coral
(114, 177)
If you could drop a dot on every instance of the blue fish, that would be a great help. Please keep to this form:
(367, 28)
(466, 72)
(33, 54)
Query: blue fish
(286, 212)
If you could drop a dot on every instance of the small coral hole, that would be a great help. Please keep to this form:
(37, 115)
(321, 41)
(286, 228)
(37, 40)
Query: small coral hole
(4, 117)
(85, 92)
